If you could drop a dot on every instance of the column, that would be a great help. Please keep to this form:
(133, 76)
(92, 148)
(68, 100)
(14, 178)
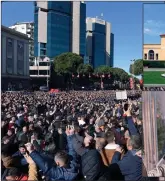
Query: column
(15, 56)
(3, 53)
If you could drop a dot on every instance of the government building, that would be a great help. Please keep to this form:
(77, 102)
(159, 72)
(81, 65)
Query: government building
(14, 60)
(155, 51)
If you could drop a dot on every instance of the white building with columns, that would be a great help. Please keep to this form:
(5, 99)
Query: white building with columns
(14, 59)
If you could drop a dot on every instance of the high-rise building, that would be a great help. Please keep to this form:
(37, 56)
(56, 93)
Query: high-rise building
(59, 27)
(99, 42)
(26, 28)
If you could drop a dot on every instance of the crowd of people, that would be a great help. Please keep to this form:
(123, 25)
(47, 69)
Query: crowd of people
(71, 136)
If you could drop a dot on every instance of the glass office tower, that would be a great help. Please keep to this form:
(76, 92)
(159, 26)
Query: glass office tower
(99, 42)
(59, 27)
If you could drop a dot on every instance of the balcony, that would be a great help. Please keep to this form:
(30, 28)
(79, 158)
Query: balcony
(39, 68)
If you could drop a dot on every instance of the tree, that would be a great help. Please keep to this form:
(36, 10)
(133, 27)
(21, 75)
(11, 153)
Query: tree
(103, 69)
(85, 69)
(120, 74)
(136, 68)
(160, 131)
(67, 63)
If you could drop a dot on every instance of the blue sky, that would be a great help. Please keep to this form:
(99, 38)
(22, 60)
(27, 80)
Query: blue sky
(154, 22)
(125, 18)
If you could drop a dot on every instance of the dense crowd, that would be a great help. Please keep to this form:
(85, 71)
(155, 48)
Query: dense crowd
(71, 136)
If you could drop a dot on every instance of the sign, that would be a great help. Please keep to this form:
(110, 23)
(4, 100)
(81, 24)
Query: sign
(121, 95)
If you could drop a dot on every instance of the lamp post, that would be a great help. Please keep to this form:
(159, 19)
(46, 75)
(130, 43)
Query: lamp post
(133, 70)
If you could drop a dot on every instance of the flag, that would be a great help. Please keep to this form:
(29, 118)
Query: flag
(131, 83)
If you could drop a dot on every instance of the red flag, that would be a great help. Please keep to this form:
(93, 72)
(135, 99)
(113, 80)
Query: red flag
(131, 83)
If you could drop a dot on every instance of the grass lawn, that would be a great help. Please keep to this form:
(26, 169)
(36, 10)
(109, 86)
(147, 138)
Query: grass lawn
(153, 77)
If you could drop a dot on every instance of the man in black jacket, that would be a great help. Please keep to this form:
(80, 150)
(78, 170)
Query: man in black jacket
(91, 161)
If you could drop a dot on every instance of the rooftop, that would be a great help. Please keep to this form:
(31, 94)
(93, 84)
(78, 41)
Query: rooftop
(18, 23)
(162, 35)
(14, 32)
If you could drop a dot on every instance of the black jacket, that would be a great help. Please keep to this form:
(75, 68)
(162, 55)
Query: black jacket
(91, 162)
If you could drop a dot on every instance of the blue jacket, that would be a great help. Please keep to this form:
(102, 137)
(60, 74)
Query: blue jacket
(55, 172)
(23, 160)
(131, 126)
(130, 165)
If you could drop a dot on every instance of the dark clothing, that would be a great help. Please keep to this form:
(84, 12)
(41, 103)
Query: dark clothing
(55, 172)
(9, 148)
(130, 165)
(131, 126)
(91, 162)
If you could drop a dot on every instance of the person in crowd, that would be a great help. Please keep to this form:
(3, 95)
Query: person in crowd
(71, 136)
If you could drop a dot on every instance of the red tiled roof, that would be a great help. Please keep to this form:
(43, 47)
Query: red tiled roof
(162, 35)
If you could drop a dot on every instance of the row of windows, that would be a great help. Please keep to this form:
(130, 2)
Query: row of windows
(64, 7)
(151, 55)
(39, 72)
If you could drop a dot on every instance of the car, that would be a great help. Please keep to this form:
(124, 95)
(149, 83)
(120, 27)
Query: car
(44, 88)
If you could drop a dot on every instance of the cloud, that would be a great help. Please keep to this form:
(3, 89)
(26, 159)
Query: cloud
(153, 28)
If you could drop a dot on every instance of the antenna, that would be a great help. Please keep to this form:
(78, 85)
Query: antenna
(101, 15)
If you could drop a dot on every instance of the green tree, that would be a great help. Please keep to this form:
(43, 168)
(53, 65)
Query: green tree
(85, 69)
(120, 74)
(67, 63)
(136, 68)
(160, 132)
(103, 69)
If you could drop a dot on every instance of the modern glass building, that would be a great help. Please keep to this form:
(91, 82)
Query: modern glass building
(99, 42)
(59, 27)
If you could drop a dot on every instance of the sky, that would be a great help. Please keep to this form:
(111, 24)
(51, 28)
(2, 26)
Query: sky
(125, 19)
(154, 22)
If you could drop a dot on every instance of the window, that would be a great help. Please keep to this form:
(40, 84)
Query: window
(151, 55)
(42, 45)
(43, 52)
(145, 56)
(157, 56)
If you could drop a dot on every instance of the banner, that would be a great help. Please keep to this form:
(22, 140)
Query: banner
(121, 95)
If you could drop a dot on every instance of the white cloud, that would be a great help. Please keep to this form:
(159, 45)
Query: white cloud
(153, 28)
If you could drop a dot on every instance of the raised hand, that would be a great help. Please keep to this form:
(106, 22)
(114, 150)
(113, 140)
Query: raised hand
(59, 131)
(29, 147)
(29, 159)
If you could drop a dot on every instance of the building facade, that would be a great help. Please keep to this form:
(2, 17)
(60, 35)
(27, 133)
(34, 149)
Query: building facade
(59, 27)
(40, 72)
(14, 59)
(155, 51)
(99, 42)
(26, 28)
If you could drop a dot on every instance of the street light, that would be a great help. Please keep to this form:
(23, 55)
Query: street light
(133, 71)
